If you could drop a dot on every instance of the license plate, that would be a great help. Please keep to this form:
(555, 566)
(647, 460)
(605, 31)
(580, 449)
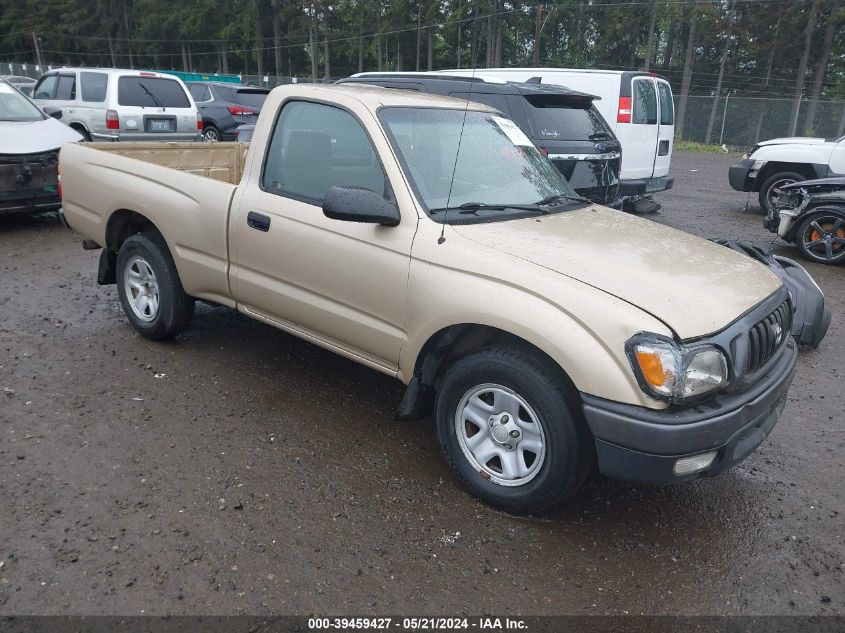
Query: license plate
(159, 125)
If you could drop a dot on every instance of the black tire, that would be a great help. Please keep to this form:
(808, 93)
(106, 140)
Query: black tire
(85, 135)
(210, 133)
(813, 233)
(175, 308)
(569, 448)
(776, 181)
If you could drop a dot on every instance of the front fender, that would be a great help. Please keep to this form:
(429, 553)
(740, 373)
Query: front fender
(582, 329)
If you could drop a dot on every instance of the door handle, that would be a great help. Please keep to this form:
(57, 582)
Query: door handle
(258, 221)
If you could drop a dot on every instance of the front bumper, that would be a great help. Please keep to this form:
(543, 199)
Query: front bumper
(738, 175)
(643, 186)
(640, 444)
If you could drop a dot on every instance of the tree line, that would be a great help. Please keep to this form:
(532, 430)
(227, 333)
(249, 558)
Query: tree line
(784, 48)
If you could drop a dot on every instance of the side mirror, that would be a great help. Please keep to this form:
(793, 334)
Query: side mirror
(53, 111)
(359, 205)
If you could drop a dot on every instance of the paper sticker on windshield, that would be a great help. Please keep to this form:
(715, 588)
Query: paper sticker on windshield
(512, 131)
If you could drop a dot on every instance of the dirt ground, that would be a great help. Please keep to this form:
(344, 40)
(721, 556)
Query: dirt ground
(240, 470)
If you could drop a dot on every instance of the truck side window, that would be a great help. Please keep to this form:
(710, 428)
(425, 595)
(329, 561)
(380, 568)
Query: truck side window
(45, 88)
(495, 100)
(645, 102)
(315, 147)
(66, 91)
(199, 92)
(94, 86)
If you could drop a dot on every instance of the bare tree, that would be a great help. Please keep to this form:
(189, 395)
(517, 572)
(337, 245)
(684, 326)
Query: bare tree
(802, 64)
(718, 91)
(538, 27)
(769, 72)
(821, 65)
(687, 77)
(650, 41)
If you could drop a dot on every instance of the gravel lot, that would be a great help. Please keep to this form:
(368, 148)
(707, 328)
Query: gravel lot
(240, 470)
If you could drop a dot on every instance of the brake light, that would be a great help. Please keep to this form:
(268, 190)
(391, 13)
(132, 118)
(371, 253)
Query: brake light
(148, 74)
(240, 111)
(199, 122)
(59, 180)
(112, 120)
(624, 114)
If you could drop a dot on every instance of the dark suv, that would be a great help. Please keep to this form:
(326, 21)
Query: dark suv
(562, 123)
(224, 106)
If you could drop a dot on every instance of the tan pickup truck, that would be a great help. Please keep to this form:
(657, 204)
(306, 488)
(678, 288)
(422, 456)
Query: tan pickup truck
(428, 239)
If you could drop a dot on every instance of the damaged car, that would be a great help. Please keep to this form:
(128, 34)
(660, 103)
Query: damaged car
(811, 215)
(30, 139)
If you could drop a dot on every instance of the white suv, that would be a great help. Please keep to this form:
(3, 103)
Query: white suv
(121, 105)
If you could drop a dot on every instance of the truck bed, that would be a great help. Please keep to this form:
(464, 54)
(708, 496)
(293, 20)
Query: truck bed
(220, 161)
(183, 189)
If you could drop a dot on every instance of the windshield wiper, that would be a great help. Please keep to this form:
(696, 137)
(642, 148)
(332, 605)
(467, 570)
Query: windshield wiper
(152, 96)
(558, 198)
(474, 207)
(596, 135)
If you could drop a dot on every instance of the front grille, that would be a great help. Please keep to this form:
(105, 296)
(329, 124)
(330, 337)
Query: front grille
(767, 336)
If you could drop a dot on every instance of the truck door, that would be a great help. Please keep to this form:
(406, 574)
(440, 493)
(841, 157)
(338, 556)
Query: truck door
(665, 129)
(639, 144)
(66, 95)
(340, 284)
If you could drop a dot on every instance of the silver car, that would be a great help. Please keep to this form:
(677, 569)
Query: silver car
(121, 105)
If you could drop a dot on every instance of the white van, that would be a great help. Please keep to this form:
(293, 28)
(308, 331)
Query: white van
(112, 104)
(637, 105)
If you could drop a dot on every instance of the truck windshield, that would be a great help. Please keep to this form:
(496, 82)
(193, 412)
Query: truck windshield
(497, 164)
(15, 107)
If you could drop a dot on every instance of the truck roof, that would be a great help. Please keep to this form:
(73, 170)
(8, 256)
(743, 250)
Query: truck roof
(376, 96)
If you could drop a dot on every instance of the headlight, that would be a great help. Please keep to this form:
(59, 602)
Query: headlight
(676, 373)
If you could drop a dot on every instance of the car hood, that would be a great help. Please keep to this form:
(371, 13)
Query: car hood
(694, 286)
(793, 140)
(31, 137)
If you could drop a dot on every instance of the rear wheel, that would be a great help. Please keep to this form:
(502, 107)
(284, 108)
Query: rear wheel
(771, 189)
(210, 134)
(821, 236)
(507, 423)
(149, 288)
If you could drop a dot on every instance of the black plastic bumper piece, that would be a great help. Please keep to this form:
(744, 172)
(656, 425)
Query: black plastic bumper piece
(640, 444)
(738, 175)
(642, 186)
(811, 316)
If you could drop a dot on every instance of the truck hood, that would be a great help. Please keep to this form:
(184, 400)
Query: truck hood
(32, 137)
(694, 286)
(793, 140)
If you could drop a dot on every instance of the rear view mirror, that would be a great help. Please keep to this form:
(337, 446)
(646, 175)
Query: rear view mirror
(53, 111)
(359, 205)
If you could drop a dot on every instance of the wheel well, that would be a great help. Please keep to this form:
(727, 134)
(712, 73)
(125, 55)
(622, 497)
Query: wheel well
(448, 345)
(773, 168)
(122, 223)
(79, 127)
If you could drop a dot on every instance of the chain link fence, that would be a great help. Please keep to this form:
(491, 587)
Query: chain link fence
(269, 81)
(738, 121)
(744, 121)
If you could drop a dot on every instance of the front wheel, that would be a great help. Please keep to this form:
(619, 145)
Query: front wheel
(509, 428)
(211, 134)
(771, 189)
(149, 288)
(821, 236)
